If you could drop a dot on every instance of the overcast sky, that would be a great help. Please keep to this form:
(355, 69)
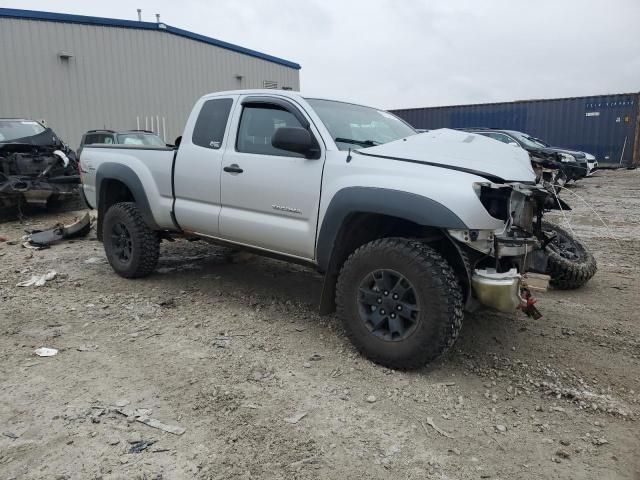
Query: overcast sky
(413, 53)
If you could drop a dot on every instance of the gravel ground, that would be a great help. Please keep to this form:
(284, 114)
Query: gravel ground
(232, 350)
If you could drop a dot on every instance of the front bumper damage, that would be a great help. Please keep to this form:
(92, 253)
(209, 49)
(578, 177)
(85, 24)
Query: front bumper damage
(36, 191)
(507, 265)
(34, 174)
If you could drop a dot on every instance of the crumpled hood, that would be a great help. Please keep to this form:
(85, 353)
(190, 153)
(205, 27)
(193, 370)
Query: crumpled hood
(461, 151)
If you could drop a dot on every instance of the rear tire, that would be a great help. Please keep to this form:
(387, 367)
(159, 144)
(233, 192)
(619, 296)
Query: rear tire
(570, 264)
(388, 273)
(132, 248)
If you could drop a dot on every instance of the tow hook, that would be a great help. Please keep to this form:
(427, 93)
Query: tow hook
(528, 304)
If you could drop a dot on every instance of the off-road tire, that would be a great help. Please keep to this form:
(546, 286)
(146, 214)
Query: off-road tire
(438, 295)
(145, 243)
(568, 274)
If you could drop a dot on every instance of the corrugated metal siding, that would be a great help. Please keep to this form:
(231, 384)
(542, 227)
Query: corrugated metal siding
(115, 75)
(605, 126)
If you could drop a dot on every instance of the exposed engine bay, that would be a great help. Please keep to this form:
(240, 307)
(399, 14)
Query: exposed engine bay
(508, 264)
(34, 168)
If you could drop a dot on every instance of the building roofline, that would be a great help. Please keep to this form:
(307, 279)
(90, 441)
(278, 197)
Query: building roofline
(516, 101)
(163, 27)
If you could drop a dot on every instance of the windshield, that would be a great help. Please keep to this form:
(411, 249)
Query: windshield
(544, 144)
(355, 126)
(137, 138)
(15, 129)
(527, 140)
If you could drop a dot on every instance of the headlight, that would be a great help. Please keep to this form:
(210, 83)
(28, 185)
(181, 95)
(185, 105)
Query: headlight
(565, 157)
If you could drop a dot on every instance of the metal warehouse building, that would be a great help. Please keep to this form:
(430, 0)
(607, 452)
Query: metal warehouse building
(607, 126)
(78, 73)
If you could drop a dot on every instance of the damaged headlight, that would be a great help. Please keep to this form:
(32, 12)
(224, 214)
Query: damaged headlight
(516, 204)
(566, 158)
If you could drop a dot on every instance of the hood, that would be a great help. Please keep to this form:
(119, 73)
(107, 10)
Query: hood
(46, 138)
(456, 150)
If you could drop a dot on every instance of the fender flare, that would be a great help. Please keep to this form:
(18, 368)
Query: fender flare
(394, 203)
(415, 208)
(125, 175)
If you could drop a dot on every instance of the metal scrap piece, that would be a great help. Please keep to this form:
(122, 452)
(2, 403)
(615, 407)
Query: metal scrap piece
(436, 428)
(44, 238)
(151, 422)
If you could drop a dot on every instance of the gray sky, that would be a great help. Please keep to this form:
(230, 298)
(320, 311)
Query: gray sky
(413, 53)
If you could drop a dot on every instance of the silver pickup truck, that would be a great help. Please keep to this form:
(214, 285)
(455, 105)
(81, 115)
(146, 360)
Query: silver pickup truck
(408, 229)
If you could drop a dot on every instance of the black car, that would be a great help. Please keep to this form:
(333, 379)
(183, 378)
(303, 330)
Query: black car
(35, 165)
(573, 165)
(124, 137)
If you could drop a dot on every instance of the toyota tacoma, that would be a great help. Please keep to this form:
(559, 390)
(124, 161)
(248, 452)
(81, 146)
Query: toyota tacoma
(408, 229)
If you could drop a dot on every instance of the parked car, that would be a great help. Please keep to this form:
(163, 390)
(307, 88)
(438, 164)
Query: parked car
(125, 137)
(592, 162)
(573, 165)
(408, 229)
(36, 167)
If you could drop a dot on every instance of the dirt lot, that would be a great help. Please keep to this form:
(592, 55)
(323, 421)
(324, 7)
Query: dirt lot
(235, 353)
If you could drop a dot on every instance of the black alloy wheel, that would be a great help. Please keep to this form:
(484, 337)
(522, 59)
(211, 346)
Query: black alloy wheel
(388, 305)
(121, 242)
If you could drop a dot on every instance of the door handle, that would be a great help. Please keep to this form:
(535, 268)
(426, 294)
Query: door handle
(233, 168)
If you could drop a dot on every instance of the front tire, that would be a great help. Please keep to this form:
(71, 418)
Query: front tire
(132, 248)
(570, 264)
(400, 302)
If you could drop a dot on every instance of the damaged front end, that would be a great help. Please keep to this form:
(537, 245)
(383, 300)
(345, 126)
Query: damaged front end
(33, 172)
(508, 265)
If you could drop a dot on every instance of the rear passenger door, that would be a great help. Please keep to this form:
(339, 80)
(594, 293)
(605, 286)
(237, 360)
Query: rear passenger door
(198, 164)
(270, 196)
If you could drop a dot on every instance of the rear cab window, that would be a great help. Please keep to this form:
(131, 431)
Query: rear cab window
(211, 123)
(98, 138)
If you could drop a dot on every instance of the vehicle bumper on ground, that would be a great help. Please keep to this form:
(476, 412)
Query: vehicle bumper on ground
(36, 191)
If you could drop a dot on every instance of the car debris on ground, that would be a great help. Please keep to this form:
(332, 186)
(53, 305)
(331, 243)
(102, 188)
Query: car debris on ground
(46, 352)
(40, 239)
(142, 416)
(38, 280)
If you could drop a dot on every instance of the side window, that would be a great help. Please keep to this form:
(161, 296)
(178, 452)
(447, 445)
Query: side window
(89, 139)
(497, 136)
(212, 123)
(257, 126)
(501, 137)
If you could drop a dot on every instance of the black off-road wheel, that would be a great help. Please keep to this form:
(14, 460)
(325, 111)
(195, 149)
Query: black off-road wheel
(570, 264)
(132, 248)
(400, 302)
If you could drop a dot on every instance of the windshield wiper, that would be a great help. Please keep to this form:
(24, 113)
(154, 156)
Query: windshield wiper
(364, 143)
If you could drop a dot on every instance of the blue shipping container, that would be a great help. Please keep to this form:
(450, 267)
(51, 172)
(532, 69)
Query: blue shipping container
(607, 126)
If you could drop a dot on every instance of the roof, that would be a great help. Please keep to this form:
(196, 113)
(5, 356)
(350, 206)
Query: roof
(163, 27)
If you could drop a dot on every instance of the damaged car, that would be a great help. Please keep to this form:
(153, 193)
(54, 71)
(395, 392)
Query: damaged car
(36, 167)
(408, 229)
(552, 165)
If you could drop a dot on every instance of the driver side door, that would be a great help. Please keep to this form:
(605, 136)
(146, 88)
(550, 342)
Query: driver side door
(270, 197)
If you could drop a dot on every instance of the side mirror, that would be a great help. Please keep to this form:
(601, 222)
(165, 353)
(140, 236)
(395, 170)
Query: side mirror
(294, 139)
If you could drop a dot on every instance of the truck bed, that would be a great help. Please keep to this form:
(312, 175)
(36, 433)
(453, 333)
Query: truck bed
(151, 165)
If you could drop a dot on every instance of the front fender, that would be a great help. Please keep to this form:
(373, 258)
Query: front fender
(394, 203)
